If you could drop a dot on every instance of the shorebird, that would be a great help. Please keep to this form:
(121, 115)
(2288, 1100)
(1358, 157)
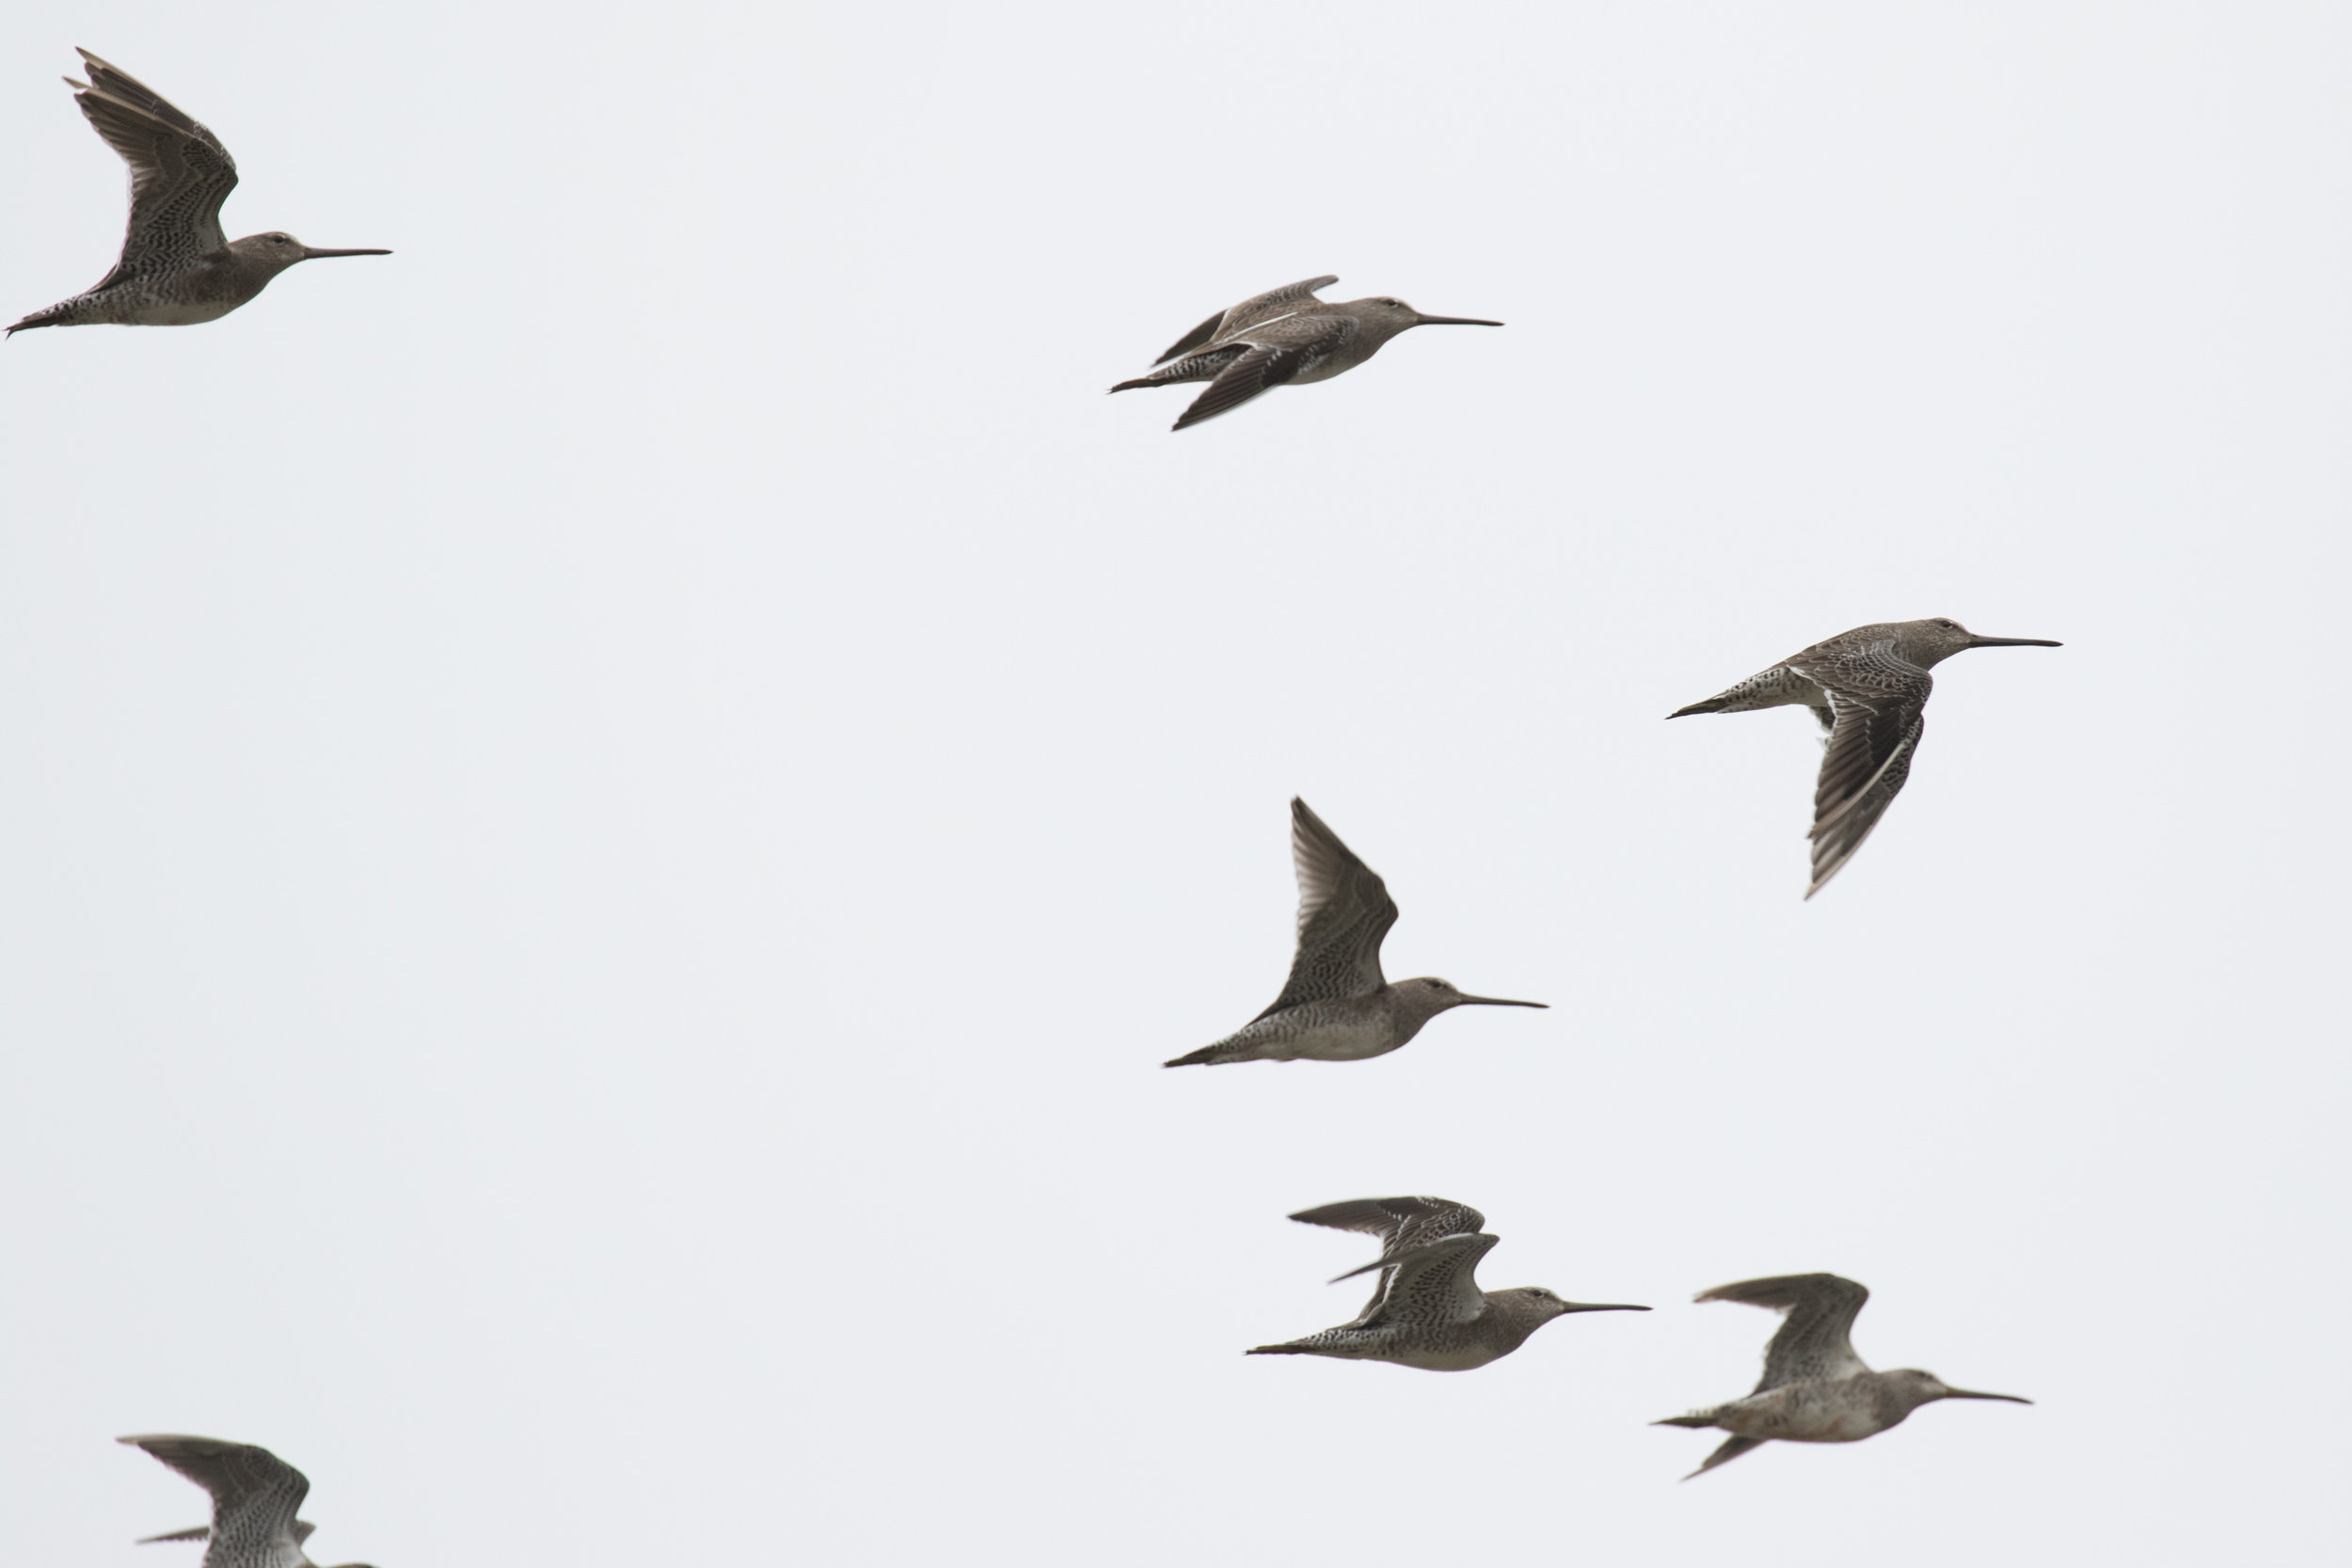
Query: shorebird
(1335, 1006)
(1427, 1309)
(1284, 336)
(255, 1495)
(1815, 1389)
(1868, 688)
(176, 268)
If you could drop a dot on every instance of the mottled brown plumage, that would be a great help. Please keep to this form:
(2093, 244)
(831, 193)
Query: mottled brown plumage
(1868, 688)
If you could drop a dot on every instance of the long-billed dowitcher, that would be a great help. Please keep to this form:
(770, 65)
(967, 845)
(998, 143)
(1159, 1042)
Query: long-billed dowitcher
(1815, 1389)
(1427, 1309)
(1285, 337)
(1868, 688)
(1336, 1006)
(176, 268)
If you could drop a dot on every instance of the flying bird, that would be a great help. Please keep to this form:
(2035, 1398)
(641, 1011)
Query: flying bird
(1336, 1006)
(255, 1495)
(1427, 1309)
(1280, 338)
(1815, 1389)
(1868, 688)
(176, 269)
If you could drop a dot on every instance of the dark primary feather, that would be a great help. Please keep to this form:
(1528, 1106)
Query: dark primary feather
(1344, 913)
(180, 172)
(1814, 1341)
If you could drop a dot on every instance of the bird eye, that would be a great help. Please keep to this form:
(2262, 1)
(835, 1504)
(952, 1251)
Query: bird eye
(1948, 626)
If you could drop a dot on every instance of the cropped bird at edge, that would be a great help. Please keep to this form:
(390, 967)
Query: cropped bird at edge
(1426, 1310)
(255, 1495)
(1283, 336)
(1868, 688)
(1815, 1389)
(1336, 1006)
(176, 268)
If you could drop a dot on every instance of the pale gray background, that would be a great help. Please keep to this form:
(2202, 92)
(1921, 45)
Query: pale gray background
(604, 822)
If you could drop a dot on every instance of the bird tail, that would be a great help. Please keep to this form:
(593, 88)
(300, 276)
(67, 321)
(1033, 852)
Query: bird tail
(1279, 1350)
(1712, 704)
(1208, 1056)
(1696, 1420)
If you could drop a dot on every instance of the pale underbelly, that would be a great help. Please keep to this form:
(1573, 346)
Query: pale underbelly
(181, 315)
(1802, 1423)
(1334, 1042)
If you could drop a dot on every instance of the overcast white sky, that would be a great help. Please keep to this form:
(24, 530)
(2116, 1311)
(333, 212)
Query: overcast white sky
(604, 822)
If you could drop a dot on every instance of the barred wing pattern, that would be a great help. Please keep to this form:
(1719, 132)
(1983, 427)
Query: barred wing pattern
(180, 172)
(1877, 702)
(254, 1494)
(1815, 1344)
(1344, 913)
(1401, 1223)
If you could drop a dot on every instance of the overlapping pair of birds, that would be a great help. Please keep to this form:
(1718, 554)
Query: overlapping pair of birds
(1868, 687)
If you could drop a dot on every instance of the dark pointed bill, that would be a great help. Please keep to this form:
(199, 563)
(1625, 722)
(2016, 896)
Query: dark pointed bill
(311, 253)
(1972, 1394)
(1453, 321)
(1600, 1307)
(1469, 1000)
(1975, 642)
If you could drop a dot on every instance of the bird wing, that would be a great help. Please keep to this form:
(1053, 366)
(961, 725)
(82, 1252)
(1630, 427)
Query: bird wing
(1815, 1343)
(1249, 313)
(1401, 1223)
(1274, 302)
(254, 1492)
(1730, 1449)
(1344, 912)
(1279, 351)
(303, 1531)
(1432, 1284)
(180, 173)
(1877, 702)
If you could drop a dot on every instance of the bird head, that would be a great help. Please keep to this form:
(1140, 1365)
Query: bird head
(1928, 643)
(1539, 1306)
(278, 250)
(1393, 316)
(1427, 996)
(1912, 1388)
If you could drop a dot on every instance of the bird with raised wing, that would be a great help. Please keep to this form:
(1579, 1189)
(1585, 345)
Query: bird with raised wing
(1815, 1389)
(1336, 1006)
(1427, 1309)
(255, 1496)
(177, 268)
(1868, 688)
(1285, 337)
